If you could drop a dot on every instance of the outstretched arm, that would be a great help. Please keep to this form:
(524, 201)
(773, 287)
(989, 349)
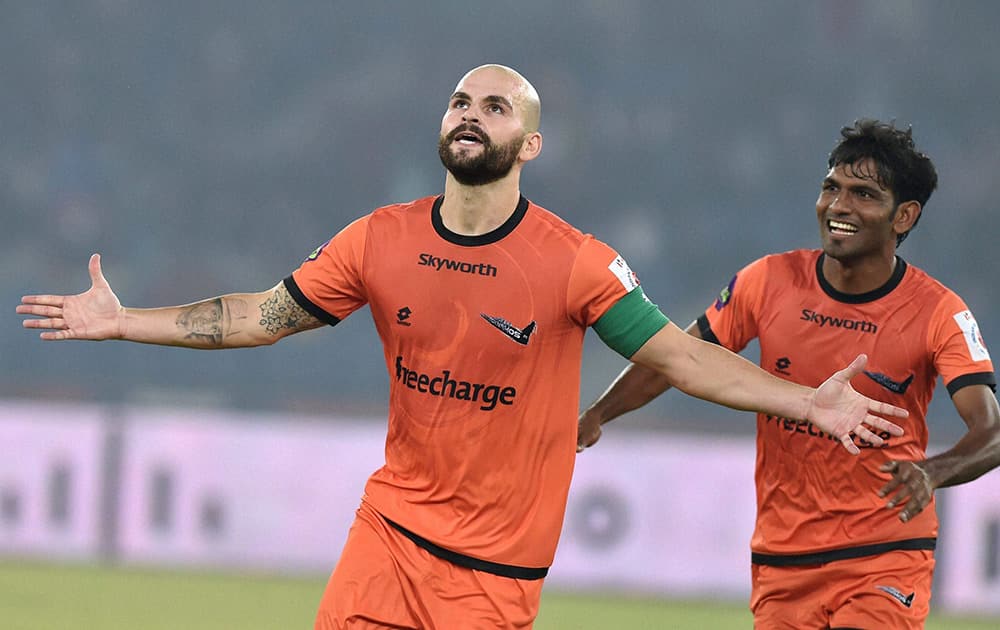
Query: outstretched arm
(236, 320)
(978, 452)
(634, 387)
(710, 372)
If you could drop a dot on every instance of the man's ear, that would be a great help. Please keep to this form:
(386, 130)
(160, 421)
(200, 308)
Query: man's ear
(907, 214)
(531, 147)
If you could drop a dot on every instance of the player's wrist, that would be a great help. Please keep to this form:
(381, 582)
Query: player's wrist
(124, 320)
(932, 474)
(594, 415)
(807, 403)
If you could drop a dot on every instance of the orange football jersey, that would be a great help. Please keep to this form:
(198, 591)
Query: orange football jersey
(811, 495)
(482, 339)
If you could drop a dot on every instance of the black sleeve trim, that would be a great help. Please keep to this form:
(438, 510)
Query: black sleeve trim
(979, 378)
(847, 553)
(706, 330)
(462, 560)
(306, 303)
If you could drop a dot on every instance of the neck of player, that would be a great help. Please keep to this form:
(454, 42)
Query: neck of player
(856, 276)
(477, 210)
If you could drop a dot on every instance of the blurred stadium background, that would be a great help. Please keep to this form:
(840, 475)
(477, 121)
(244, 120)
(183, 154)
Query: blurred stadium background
(205, 148)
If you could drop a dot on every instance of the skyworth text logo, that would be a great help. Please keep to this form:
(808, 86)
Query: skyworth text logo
(838, 322)
(447, 264)
(444, 386)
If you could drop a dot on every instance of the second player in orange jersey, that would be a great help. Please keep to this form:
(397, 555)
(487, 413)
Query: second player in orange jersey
(826, 551)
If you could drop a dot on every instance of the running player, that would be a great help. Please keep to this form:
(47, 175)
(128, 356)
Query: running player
(481, 299)
(826, 553)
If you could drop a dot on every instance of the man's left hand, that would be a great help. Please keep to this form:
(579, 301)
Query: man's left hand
(912, 486)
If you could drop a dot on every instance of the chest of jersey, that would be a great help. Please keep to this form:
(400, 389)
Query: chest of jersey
(485, 304)
(805, 335)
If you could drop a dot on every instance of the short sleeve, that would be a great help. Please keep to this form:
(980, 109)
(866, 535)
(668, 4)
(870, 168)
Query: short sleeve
(605, 293)
(732, 320)
(600, 277)
(329, 283)
(957, 345)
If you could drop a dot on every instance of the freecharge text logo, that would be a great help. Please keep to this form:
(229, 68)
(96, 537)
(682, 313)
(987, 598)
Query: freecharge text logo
(444, 386)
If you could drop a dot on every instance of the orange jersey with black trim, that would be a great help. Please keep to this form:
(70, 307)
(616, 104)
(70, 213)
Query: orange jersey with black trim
(811, 495)
(483, 341)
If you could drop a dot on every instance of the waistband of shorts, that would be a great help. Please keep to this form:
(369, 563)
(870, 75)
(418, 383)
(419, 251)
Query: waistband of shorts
(844, 553)
(462, 560)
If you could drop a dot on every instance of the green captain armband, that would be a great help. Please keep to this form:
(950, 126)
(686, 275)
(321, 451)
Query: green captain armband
(630, 323)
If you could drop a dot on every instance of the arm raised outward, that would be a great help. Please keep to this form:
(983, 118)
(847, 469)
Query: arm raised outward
(238, 320)
(710, 372)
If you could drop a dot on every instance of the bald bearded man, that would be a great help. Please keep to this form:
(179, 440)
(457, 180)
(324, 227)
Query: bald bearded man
(481, 299)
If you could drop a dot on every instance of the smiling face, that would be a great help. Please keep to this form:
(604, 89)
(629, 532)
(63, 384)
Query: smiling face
(490, 126)
(858, 217)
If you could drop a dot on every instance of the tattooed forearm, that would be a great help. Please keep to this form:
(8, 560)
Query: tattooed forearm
(209, 322)
(281, 311)
(203, 321)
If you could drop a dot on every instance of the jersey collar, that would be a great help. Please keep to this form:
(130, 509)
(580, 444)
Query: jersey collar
(481, 239)
(861, 298)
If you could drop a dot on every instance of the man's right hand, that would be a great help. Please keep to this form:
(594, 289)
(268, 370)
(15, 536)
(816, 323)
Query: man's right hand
(95, 314)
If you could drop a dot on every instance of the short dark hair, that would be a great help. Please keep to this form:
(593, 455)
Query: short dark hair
(900, 167)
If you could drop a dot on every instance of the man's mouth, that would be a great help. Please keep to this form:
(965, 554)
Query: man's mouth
(840, 228)
(468, 138)
(467, 135)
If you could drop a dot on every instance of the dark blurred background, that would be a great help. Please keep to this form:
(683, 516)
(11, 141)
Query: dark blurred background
(206, 148)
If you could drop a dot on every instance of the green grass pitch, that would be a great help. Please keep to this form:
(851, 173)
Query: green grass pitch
(36, 596)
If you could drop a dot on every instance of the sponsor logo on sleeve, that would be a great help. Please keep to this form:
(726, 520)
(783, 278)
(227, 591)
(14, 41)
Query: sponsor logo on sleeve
(624, 274)
(316, 252)
(725, 295)
(973, 338)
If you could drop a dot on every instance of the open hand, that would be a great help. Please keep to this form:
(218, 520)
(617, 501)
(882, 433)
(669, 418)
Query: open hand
(95, 314)
(841, 411)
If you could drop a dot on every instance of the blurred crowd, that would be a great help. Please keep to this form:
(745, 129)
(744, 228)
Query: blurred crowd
(207, 148)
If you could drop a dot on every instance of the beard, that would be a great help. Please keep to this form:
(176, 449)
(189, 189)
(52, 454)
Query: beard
(494, 162)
